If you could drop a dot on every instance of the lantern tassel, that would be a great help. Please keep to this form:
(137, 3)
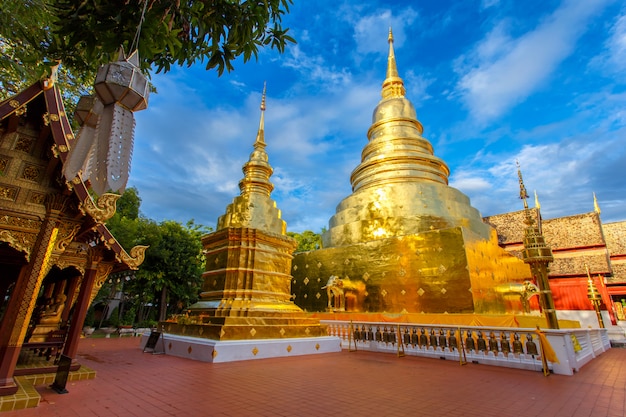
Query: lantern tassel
(120, 148)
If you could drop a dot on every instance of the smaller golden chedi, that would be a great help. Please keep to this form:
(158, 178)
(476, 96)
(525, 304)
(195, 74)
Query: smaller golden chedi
(247, 283)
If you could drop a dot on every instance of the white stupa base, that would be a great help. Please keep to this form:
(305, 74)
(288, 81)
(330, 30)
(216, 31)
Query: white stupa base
(208, 350)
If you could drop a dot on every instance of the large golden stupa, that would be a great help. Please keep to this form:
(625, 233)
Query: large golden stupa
(405, 241)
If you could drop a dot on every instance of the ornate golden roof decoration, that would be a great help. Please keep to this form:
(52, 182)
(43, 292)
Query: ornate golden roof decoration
(136, 257)
(102, 209)
(20, 241)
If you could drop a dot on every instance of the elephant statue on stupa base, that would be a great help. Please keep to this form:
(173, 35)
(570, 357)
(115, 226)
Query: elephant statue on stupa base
(340, 289)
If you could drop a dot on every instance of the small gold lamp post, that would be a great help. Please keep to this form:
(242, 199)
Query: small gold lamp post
(595, 297)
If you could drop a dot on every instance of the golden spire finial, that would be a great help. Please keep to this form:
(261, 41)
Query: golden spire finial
(393, 86)
(596, 206)
(537, 204)
(260, 137)
(392, 69)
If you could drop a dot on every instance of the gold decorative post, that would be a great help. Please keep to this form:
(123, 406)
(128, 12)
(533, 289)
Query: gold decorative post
(594, 296)
(538, 256)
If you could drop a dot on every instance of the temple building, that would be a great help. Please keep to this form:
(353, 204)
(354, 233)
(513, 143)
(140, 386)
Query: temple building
(583, 248)
(55, 250)
(404, 241)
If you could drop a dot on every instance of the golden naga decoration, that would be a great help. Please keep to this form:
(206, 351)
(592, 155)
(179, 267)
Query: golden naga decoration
(66, 235)
(136, 257)
(102, 209)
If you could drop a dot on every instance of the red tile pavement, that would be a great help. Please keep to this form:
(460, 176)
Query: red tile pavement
(132, 383)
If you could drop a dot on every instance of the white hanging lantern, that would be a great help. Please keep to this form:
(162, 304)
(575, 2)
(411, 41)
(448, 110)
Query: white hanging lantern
(106, 150)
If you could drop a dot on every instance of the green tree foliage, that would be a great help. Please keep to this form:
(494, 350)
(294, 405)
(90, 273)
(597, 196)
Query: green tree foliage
(307, 240)
(171, 274)
(83, 34)
(129, 203)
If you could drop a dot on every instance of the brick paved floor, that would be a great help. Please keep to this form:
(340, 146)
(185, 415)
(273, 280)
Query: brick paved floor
(131, 383)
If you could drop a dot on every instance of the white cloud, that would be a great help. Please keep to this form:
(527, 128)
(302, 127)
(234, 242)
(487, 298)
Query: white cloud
(469, 182)
(501, 71)
(371, 29)
(315, 69)
(416, 85)
(485, 4)
(615, 55)
(564, 175)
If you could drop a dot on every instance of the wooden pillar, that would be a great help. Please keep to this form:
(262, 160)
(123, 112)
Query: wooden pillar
(4, 287)
(82, 303)
(23, 298)
(71, 292)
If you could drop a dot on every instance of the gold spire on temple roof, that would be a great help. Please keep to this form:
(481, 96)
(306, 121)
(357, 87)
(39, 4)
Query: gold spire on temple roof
(393, 86)
(537, 204)
(596, 206)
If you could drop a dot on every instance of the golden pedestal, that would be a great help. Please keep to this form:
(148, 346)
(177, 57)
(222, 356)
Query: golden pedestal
(246, 293)
(442, 271)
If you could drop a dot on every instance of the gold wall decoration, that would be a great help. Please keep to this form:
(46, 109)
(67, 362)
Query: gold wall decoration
(8, 192)
(64, 262)
(32, 172)
(4, 163)
(20, 241)
(20, 223)
(36, 198)
(103, 269)
(23, 143)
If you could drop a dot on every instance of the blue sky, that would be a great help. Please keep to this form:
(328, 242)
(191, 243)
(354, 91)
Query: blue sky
(492, 81)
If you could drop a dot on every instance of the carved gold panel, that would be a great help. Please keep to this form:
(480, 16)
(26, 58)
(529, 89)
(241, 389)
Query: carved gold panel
(23, 143)
(36, 198)
(31, 172)
(4, 164)
(8, 192)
